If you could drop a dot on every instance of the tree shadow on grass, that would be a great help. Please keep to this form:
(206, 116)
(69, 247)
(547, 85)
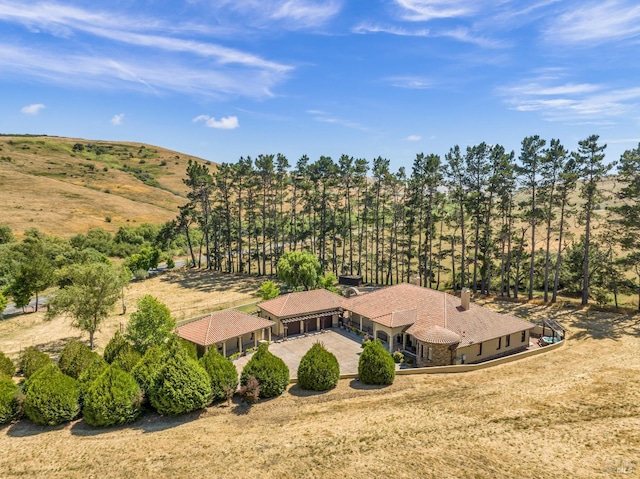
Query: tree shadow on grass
(297, 391)
(212, 281)
(26, 428)
(357, 384)
(148, 423)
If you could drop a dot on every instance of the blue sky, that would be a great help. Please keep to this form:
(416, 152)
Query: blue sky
(392, 78)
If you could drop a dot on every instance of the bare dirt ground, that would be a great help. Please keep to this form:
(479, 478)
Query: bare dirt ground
(573, 412)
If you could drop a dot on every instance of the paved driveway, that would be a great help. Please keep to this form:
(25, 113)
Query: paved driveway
(345, 346)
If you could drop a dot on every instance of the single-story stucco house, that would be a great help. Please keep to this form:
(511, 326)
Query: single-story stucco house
(437, 328)
(231, 331)
(303, 312)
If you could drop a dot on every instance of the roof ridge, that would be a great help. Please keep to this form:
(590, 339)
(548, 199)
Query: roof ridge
(206, 334)
(284, 304)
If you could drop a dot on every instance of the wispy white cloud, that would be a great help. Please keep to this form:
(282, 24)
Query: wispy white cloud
(291, 14)
(225, 123)
(364, 28)
(325, 117)
(596, 22)
(412, 82)
(225, 70)
(33, 109)
(558, 100)
(143, 74)
(413, 138)
(424, 10)
(117, 119)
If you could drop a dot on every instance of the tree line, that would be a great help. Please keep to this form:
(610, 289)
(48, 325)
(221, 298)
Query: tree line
(481, 217)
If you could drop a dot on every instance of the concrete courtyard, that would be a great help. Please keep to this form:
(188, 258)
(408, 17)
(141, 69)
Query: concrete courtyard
(346, 347)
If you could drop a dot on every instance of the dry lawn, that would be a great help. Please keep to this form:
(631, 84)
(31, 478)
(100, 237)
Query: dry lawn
(574, 412)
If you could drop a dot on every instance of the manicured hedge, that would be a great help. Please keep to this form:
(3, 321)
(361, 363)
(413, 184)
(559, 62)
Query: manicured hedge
(51, 397)
(10, 400)
(90, 374)
(127, 358)
(183, 386)
(319, 369)
(221, 371)
(147, 371)
(32, 359)
(6, 366)
(75, 357)
(270, 371)
(113, 398)
(113, 347)
(376, 366)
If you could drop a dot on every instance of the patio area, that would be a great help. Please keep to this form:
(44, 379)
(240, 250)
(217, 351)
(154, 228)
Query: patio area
(345, 346)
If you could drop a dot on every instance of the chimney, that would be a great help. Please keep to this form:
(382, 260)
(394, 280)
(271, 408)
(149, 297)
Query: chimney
(465, 298)
(415, 279)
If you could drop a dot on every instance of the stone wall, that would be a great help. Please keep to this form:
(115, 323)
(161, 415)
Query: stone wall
(440, 355)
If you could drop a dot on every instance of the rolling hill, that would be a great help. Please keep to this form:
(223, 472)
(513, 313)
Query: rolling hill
(65, 186)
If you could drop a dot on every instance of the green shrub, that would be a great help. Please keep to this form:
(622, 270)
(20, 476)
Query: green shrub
(183, 386)
(32, 359)
(51, 397)
(319, 369)
(75, 358)
(221, 371)
(90, 374)
(270, 371)
(150, 325)
(176, 343)
(376, 365)
(127, 358)
(113, 347)
(113, 398)
(6, 366)
(147, 371)
(10, 400)
(398, 357)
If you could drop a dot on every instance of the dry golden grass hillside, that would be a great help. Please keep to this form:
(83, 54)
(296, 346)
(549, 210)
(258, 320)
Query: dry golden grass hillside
(65, 186)
(573, 412)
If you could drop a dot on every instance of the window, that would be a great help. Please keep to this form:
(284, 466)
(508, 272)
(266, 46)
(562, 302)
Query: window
(523, 336)
(429, 354)
(480, 349)
(507, 341)
(500, 342)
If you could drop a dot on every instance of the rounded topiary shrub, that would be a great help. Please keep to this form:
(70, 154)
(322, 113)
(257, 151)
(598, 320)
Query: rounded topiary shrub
(113, 398)
(183, 386)
(376, 366)
(32, 359)
(147, 371)
(319, 369)
(113, 347)
(127, 358)
(270, 371)
(90, 374)
(221, 371)
(75, 357)
(6, 366)
(10, 400)
(51, 397)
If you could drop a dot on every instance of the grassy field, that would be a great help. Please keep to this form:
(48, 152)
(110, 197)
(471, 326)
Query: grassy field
(46, 183)
(574, 412)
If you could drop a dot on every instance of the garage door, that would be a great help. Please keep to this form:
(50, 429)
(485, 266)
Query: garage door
(293, 328)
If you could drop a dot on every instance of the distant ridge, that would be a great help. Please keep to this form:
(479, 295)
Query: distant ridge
(65, 186)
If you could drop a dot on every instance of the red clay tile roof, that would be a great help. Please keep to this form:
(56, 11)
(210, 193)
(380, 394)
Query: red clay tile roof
(221, 326)
(304, 302)
(435, 311)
